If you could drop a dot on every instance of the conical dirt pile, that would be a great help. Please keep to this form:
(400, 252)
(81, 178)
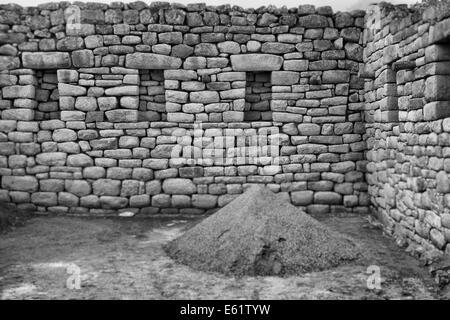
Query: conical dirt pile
(260, 233)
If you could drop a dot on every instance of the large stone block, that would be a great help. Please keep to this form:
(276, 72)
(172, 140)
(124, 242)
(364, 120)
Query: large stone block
(16, 91)
(175, 16)
(62, 135)
(79, 188)
(109, 202)
(327, 197)
(277, 47)
(440, 32)
(46, 60)
(206, 50)
(302, 198)
(104, 144)
(313, 21)
(51, 158)
(86, 104)
(123, 91)
(204, 97)
(20, 183)
(437, 88)
(284, 78)
(65, 89)
(144, 60)
(122, 115)
(8, 62)
(256, 62)
(18, 114)
(179, 186)
(286, 117)
(79, 160)
(309, 129)
(436, 110)
(180, 117)
(442, 182)
(106, 187)
(45, 199)
(437, 52)
(83, 58)
(336, 76)
(204, 201)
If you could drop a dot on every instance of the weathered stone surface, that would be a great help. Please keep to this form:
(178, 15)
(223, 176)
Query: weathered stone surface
(20, 183)
(106, 187)
(437, 88)
(9, 62)
(122, 115)
(256, 62)
(79, 188)
(204, 97)
(62, 135)
(79, 160)
(86, 103)
(51, 158)
(313, 21)
(206, 50)
(122, 91)
(71, 90)
(179, 186)
(327, 197)
(45, 199)
(46, 60)
(308, 129)
(335, 76)
(285, 78)
(442, 182)
(436, 110)
(67, 76)
(229, 47)
(182, 51)
(83, 58)
(27, 91)
(204, 201)
(277, 47)
(302, 198)
(143, 60)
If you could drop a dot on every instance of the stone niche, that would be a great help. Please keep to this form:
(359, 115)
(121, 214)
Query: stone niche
(152, 100)
(47, 96)
(258, 94)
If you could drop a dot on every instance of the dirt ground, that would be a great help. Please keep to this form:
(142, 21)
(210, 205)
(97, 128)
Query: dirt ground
(122, 258)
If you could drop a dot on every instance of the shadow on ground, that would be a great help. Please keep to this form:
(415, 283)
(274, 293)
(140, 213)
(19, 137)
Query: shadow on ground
(123, 259)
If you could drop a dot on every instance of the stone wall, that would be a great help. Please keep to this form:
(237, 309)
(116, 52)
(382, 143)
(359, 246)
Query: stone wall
(407, 110)
(160, 107)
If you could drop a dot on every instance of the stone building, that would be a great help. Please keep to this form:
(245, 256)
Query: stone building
(169, 109)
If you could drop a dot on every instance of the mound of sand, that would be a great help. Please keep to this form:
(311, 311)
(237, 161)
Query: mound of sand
(261, 233)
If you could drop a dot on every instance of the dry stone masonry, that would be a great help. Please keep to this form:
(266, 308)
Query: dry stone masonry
(407, 110)
(169, 109)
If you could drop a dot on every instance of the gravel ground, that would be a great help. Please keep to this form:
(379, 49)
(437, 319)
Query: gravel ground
(124, 259)
(260, 233)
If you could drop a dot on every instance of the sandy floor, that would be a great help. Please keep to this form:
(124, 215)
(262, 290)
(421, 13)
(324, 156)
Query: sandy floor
(123, 259)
